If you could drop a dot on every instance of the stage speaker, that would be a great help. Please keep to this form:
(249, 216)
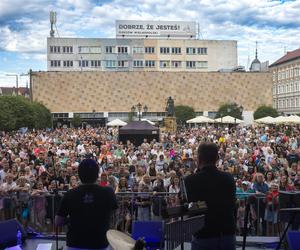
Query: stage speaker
(8, 233)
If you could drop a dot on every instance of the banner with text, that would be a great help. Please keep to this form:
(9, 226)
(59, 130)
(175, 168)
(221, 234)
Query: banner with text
(166, 29)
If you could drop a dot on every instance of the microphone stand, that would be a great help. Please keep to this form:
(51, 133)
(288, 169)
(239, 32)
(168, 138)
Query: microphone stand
(245, 229)
(55, 198)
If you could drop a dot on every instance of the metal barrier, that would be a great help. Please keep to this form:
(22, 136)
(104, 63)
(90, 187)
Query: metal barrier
(263, 217)
(39, 210)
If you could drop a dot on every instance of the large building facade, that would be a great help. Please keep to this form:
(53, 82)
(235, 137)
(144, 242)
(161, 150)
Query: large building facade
(123, 54)
(111, 95)
(286, 83)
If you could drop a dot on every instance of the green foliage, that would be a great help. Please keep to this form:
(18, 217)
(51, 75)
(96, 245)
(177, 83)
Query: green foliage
(184, 113)
(231, 109)
(130, 116)
(17, 112)
(76, 121)
(264, 111)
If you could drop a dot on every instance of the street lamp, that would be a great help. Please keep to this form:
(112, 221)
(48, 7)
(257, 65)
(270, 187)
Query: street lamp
(17, 83)
(139, 108)
(94, 115)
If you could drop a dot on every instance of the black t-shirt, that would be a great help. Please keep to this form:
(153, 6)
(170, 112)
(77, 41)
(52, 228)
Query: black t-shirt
(217, 189)
(89, 208)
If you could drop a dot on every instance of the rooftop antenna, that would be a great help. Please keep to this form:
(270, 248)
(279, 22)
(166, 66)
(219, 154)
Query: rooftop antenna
(52, 22)
(284, 50)
(248, 60)
(256, 50)
(199, 34)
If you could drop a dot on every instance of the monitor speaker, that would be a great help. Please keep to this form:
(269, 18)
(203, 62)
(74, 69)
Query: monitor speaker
(8, 233)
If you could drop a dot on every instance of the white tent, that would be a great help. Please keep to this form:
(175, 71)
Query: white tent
(116, 123)
(200, 119)
(229, 120)
(280, 120)
(292, 119)
(265, 120)
(146, 120)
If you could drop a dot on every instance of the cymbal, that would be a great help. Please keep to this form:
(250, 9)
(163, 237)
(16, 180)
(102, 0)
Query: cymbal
(119, 240)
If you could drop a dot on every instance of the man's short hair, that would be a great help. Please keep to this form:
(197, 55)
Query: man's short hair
(88, 171)
(208, 153)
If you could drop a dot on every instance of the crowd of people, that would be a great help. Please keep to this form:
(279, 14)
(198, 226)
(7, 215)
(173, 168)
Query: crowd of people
(37, 167)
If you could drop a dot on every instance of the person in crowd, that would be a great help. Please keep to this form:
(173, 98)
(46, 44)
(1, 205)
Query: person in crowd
(261, 189)
(272, 208)
(285, 185)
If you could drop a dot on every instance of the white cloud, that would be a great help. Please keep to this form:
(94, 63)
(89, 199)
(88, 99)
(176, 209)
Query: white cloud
(24, 27)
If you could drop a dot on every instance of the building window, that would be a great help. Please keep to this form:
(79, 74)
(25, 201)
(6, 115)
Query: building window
(176, 64)
(202, 51)
(138, 50)
(123, 64)
(191, 51)
(67, 49)
(164, 50)
(95, 63)
(138, 63)
(190, 64)
(292, 103)
(110, 49)
(149, 63)
(123, 50)
(176, 50)
(201, 64)
(54, 49)
(55, 63)
(164, 64)
(89, 50)
(68, 63)
(83, 63)
(149, 50)
(110, 64)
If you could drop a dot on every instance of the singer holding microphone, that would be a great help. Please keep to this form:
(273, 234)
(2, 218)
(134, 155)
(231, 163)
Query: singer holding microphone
(217, 189)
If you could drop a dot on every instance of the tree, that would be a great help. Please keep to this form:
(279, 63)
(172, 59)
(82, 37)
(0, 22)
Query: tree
(42, 116)
(76, 121)
(231, 109)
(184, 113)
(130, 116)
(264, 111)
(17, 112)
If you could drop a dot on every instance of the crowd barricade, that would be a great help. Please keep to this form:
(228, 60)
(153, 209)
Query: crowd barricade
(263, 217)
(38, 211)
(34, 211)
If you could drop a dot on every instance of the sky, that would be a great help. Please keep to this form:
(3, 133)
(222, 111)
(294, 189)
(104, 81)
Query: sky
(24, 26)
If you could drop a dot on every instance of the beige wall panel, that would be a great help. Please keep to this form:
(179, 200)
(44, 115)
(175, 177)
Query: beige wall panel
(118, 91)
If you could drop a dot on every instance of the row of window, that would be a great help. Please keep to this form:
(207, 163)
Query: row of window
(287, 88)
(63, 49)
(136, 64)
(287, 73)
(125, 50)
(289, 103)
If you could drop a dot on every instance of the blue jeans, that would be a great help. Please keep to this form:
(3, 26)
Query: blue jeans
(219, 243)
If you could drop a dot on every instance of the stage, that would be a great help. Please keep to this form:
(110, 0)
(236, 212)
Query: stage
(252, 244)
